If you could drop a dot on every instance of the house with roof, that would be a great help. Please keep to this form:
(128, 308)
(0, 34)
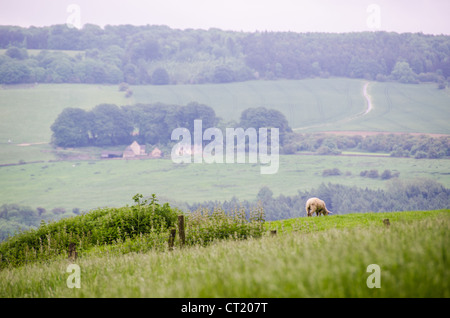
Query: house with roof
(156, 153)
(134, 150)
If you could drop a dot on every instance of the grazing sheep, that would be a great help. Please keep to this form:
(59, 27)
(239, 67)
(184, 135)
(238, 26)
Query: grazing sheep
(316, 205)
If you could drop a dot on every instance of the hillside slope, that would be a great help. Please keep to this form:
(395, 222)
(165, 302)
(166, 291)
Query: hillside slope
(306, 262)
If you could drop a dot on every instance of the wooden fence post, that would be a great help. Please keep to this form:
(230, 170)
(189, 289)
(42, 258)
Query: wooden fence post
(73, 252)
(181, 230)
(173, 232)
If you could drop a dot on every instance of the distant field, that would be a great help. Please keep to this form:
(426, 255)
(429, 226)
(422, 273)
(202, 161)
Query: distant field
(27, 112)
(90, 184)
(320, 104)
(404, 108)
(34, 52)
(304, 102)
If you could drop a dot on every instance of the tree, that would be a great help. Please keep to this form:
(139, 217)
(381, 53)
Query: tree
(71, 128)
(264, 195)
(152, 122)
(17, 53)
(110, 125)
(14, 72)
(223, 74)
(403, 72)
(92, 71)
(63, 70)
(160, 76)
(262, 117)
(192, 111)
(387, 174)
(146, 49)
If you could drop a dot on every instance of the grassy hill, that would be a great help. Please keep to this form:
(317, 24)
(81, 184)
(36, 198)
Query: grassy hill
(309, 257)
(91, 184)
(29, 110)
(320, 104)
(334, 104)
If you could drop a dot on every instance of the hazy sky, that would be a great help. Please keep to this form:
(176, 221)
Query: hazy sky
(427, 16)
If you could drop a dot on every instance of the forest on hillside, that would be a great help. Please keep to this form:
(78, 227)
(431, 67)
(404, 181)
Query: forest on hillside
(160, 55)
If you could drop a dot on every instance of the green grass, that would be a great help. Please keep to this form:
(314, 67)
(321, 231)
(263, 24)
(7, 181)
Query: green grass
(91, 184)
(347, 221)
(371, 154)
(27, 114)
(304, 102)
(332, 262)
(403, 108)
(320, 104)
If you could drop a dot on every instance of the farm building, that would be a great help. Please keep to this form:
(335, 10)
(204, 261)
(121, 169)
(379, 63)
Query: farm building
(134, 150)
(106, 154)
(156, 153)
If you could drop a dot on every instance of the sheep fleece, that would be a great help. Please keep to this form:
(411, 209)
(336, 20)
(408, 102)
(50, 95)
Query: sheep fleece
(316, 205)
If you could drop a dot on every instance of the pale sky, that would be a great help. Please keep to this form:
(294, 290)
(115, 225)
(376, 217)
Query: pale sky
(427, 16)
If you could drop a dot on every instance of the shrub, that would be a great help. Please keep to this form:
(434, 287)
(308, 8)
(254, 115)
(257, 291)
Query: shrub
(327, 150)
(420, 154)
(373, 174)
(123, 87)
(128, 93)
(387, 174)
(331, 172)
(138, 228)
(370, 174)
(204, 226)
(98, 227)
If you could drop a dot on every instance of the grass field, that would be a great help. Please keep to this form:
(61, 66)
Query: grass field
(28, 112)
(304, 102)
(321, 104)
(90, 184)
(309, 257)
(404, 108)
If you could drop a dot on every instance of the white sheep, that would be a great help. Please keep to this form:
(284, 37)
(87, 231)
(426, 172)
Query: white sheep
(316, 205)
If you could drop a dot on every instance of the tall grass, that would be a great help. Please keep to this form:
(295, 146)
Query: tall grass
(138, 228)
(204, 226)
(412, 255)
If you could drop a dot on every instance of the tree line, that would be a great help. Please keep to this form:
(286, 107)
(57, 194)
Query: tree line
(160, 55)
(397, 145)
(110, 125)
(420, 194)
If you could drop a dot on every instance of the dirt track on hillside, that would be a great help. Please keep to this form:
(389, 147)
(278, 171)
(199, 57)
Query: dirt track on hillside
(364, 113)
